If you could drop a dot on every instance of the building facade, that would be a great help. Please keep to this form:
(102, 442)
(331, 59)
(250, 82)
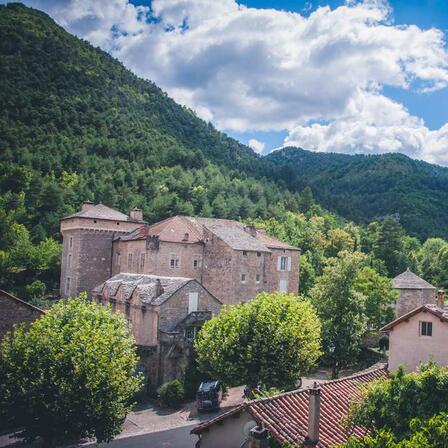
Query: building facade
(421, 335)
(164, 315)
(233, 261)
(14, 311)
(413, 292)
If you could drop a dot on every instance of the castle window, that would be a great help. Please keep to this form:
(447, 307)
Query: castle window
(70, 242)
(192, 302)
(284, 263)
(244, 253)
(197, 261)
(258, 254)
(174, 261)
(243, 278)
(425, 328)
(142, 261)
(191, 333)
(129, 261)
(67, 285)
(118, 259)
(69, 260)
(257, 279)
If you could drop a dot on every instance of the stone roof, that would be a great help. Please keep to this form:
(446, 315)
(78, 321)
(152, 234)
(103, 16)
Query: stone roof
(22, 302)
(101, 211)
(409, 280)
(286, 415)
(441, 313)
(147, 286)
(187, 229)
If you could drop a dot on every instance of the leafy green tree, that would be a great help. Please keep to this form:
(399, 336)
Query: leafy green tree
(341, 309)
(391, 405)
(273, 338)
(379, 296)
(72, 375)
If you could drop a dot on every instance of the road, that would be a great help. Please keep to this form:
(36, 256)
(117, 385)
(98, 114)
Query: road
(172, 438)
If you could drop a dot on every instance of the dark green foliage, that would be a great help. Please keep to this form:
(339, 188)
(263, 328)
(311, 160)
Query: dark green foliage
(364, 188)
(70, 376)
(383, 343)
(172, 393)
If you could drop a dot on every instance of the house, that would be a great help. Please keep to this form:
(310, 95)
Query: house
(418, 336)
(14, 311)
(233, 261)
(413, 292)
(164, 314)
(306, 417)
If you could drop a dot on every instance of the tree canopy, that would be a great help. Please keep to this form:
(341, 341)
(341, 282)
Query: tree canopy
(272, 339)
(71, 375)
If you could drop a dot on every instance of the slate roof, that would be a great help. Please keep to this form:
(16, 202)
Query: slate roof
(146, 284)
(233, 233)
(432, 308)
(286, 415)
(409, 280)
(101, 211)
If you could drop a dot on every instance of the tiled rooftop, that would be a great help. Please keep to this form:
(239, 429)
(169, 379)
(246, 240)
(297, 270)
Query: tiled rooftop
(146, 285)
(101, 211)
(409, 280)
(286, 415)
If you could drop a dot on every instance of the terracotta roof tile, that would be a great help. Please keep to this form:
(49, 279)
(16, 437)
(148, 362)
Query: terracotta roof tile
(286, 415)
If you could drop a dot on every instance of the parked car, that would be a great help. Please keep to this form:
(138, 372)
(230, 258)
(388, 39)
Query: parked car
(209, 396)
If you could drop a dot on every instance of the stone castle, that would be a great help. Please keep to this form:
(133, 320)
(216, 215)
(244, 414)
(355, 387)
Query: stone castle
(168, 278)
(233, 261)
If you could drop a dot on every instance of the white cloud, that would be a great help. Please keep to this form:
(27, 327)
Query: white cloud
(256, 145)
(250, 69)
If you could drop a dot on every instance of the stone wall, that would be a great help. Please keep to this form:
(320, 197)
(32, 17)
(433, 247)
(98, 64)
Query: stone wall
(15, 311)
(409, 299)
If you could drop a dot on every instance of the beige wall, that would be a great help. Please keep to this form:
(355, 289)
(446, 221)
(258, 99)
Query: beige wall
(407, 347)
(229, 434)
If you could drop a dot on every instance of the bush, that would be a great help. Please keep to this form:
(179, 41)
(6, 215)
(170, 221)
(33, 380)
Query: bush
(172, 393)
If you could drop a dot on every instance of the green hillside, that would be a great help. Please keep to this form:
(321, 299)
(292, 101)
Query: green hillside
(364, 188)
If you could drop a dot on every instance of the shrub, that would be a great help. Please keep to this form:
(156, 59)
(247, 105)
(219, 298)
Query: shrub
(172, 393)
(383, 343)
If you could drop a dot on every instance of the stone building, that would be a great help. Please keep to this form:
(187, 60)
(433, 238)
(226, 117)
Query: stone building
(14, 311)
(87, 245)
(413, 292)
(233, 261)
(164, 313)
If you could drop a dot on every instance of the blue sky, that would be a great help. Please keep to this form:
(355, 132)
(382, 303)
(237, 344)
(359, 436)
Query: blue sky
(351, 76)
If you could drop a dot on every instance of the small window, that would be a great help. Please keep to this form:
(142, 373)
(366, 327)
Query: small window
(142, 261)
(118, 259)
(174, 261)
(129, 261)
(69, 261)
(425, 328)
(191, 333)
(67, 285)
(244, 252)
(258, 254)
(197, 262)
(283, 263)
(257, 279)
(70, 242)
(192, 302)
(243, 278)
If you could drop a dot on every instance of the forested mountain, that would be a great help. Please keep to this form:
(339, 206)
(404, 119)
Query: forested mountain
(364, 188)
(76, 125)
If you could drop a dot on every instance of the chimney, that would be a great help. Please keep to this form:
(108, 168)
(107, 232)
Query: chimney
(312, 438)
(186, 237)
(159, 288)
(441, 298)
(251, 230)
(258, 438)
(87, 205)
(136, 214)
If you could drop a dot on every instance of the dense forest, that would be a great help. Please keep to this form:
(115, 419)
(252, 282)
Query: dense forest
(76, 125)
(364, 188)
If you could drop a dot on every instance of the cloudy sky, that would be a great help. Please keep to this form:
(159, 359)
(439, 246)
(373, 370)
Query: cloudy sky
(347, 76)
